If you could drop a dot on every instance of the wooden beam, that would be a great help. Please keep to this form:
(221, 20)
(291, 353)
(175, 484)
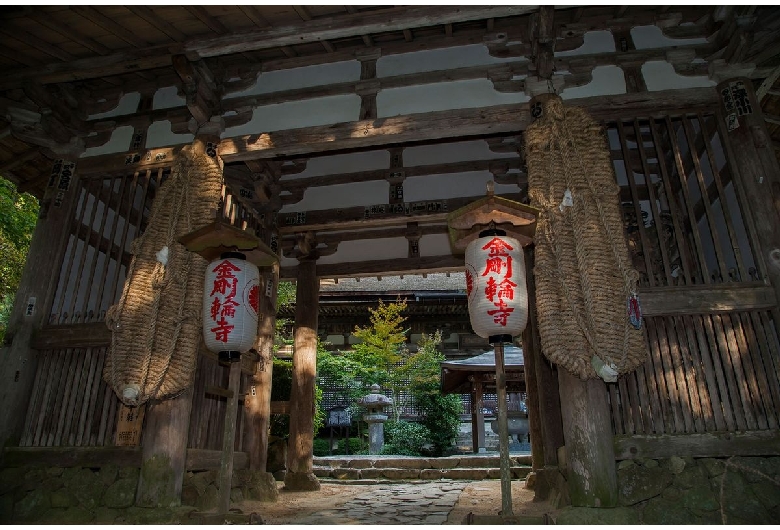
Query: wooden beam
(71, 456)
(197, 459)
(459, 123)
(19, 159)
(429, 264)
(358, 216)
(413, 171)
(347, 26)
(722, 298)
(705, 445)
(57, 336)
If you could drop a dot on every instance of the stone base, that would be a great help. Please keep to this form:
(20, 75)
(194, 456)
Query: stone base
(301, 482)
(550, 485)
(258, 486)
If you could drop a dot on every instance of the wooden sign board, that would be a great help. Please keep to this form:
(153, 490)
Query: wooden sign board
(129, 425)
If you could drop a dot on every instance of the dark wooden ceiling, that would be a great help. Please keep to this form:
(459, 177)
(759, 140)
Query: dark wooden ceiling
(72, 61)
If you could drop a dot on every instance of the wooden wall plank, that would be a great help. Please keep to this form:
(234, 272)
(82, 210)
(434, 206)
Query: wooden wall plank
(74, 397)
(752, 377)
(753, 443)
(55, 414)
(749, 347)
(89, 372)
(741, 376)
(93, 397)
(702, 269)
(667, 424)
(671, 199)
(36, 397)
(669, 376)
(704, 328)
(654, 208)
(705, 378)
(768, 366)
(717, 335)
(686, 371)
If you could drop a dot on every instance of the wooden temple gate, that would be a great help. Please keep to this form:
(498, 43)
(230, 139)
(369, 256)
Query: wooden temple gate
(693, 175)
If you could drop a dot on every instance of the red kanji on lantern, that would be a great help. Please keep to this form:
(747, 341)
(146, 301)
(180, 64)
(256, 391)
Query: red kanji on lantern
(215, 307)
(222, 331)
(229, 308)
(225, 279)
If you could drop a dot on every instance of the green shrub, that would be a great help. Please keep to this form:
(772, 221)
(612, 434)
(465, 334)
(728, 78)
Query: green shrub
(321, 445)
(405, 438)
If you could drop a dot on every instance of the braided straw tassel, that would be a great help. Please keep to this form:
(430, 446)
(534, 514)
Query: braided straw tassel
(156, 325)
(583, 271)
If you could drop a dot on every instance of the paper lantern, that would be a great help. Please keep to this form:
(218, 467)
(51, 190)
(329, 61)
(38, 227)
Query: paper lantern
(231, 298)
(495, 285)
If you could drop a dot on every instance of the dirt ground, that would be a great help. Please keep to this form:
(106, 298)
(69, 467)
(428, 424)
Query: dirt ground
(479, 497)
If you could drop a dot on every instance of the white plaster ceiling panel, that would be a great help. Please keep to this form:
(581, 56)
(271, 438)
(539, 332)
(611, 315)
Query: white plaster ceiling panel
(368, 250)
(428, 60)
(298, 114)
(606, 80)
(450, 152)
(342, 196)
(435, 245)
(660, 75)
(647, 37)
(343, 163)
(159, 134)
(450, 186)
(128, 104)
(471, 93)
(593, 42)
(306, 76)
(119, 143)
(167, 98)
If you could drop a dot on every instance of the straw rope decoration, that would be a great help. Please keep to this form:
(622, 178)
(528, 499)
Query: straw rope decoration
(156, 324)
(583, 272)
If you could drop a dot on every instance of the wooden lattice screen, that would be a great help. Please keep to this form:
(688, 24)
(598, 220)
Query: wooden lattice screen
(70, 403)
(685, 225)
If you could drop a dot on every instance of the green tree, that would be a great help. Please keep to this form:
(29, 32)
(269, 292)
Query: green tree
(441, 414)
(381, 350)
(18, 215)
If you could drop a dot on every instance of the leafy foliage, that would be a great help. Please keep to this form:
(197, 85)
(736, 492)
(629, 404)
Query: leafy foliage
(382, 350)
(405, 438)
(18, 215)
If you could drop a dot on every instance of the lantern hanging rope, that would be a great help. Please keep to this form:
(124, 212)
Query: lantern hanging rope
(156, 324)
(584, 277)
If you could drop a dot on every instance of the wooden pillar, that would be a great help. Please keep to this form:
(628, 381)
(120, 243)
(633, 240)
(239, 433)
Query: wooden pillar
(503, 433)
(167, 425)
(229, 439)
(18, 363)
(474, 435)
(587, 430)
(754, 165)
(538, 369)
(479, 418)
(300, 465)
(532, 401)
(257, 402)
(164, 451)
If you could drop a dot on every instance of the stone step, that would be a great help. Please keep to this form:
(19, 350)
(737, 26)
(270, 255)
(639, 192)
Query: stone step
(412, 462)
(408, 473)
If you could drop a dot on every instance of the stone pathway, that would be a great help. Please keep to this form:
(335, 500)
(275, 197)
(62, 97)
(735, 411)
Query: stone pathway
(418, 503)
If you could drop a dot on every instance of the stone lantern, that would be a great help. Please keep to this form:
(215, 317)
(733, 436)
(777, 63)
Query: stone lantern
(375, 404)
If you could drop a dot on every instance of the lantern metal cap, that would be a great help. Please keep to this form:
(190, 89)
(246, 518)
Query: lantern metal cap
(219, 237)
